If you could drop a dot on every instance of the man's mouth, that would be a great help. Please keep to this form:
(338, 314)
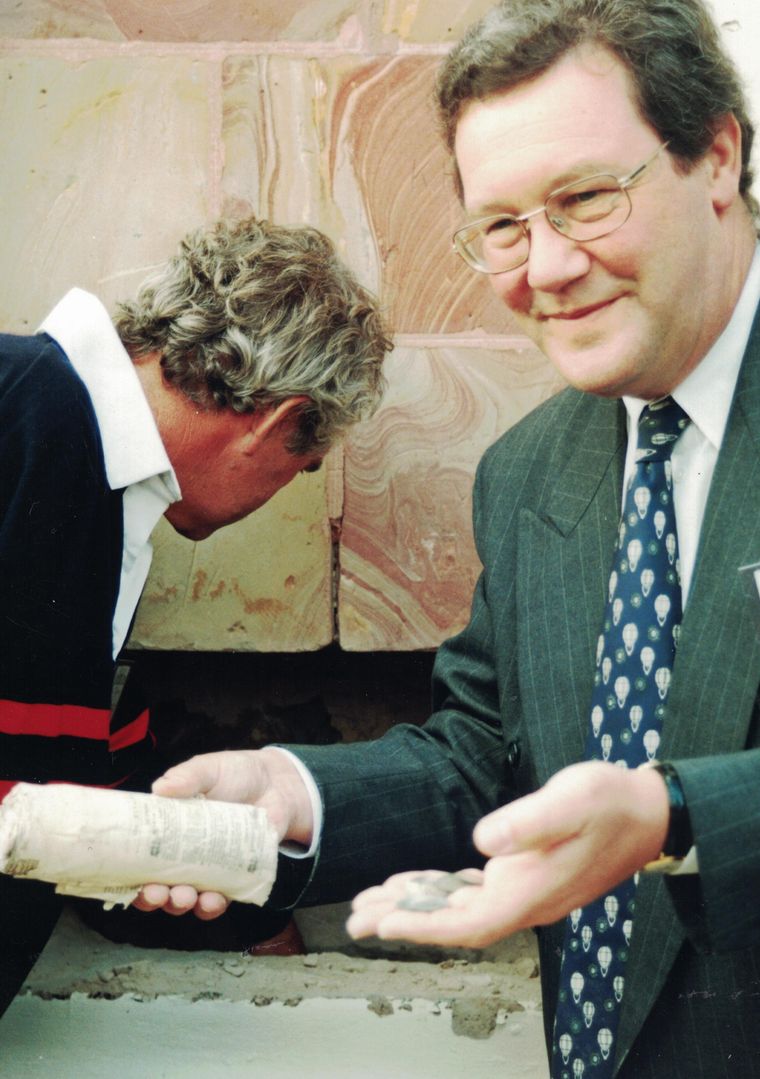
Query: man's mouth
(580, 312)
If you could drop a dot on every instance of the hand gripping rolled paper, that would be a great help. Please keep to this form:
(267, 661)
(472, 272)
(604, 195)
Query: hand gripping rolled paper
(106, 844)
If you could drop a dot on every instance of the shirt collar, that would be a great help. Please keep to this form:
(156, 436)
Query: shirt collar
(707, 392)
(132, 446)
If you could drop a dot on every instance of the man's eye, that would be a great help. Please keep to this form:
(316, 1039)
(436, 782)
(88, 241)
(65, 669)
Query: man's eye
(503, 224)
(581, 198)
(501, 233)
(588, 204)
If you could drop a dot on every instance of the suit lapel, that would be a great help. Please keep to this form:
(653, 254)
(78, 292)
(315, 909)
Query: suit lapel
(718, 665)
(717, 669)
(565, 555)
(590, 472)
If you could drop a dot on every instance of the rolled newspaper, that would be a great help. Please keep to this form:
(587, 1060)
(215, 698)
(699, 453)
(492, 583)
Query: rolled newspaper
(105, 844)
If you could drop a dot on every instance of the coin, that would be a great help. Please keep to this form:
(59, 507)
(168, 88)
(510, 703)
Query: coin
(431, 893)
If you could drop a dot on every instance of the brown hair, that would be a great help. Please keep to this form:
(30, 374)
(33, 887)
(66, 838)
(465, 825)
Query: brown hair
(683, 78)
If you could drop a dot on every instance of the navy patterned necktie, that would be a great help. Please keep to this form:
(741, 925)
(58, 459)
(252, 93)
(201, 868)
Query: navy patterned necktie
(634, 661)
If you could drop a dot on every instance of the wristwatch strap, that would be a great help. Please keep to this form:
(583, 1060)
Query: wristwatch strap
(679, 839)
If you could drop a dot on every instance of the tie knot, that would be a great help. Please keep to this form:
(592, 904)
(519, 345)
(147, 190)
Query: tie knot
(660, 426)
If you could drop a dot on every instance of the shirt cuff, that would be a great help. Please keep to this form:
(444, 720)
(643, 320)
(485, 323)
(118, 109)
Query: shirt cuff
(689, 864)
(287, 847)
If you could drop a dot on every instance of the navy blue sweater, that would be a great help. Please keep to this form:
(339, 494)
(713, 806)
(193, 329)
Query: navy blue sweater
(61, 537)
(61, 534)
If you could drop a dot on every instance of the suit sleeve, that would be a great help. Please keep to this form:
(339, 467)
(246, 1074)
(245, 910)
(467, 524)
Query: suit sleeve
(720, 906)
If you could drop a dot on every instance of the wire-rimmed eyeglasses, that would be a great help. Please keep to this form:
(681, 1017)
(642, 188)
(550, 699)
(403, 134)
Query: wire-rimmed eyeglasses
(583, 210)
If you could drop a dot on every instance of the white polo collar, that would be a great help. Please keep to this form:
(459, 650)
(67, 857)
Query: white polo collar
(132, 446)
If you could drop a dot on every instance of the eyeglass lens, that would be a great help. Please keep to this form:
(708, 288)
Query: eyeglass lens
(586, 210)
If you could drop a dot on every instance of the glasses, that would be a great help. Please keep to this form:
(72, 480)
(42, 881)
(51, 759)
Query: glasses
(584, 210)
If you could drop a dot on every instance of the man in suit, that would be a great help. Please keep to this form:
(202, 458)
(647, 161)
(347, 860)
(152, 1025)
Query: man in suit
(236, 366)
(602, 152)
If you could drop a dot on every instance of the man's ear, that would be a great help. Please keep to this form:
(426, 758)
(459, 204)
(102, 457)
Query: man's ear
(724, 161)
(274, 422)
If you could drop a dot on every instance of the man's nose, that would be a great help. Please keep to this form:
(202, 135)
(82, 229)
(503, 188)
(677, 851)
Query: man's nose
(554, 260)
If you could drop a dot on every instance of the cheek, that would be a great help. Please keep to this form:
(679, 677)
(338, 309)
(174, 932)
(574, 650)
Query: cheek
(512, 289)
(646, 245)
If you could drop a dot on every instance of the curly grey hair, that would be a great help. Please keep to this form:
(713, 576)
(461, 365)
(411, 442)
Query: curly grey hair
(248, 313)
(682, 75)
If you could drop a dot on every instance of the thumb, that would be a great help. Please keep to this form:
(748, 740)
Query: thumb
(538, 821)
(195, 776)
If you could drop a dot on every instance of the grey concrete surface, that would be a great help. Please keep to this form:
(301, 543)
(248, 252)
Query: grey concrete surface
(92, 1009)
(174, 1038)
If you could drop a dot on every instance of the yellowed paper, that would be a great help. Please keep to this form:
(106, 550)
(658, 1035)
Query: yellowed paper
(106, 844)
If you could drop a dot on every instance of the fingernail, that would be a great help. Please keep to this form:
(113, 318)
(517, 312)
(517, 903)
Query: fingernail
(491, 836)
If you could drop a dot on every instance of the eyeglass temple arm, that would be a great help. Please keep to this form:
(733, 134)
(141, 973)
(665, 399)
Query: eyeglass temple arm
(626, 181)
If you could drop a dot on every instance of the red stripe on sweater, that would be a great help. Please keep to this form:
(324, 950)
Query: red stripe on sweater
(130, 733)
(54, 720)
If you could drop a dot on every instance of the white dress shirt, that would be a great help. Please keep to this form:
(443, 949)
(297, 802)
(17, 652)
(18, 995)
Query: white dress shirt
(705, 395)
(135, 457)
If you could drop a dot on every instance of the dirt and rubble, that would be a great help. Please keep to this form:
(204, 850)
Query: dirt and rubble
(477, 991)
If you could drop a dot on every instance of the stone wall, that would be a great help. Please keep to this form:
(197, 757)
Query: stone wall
(125, 124)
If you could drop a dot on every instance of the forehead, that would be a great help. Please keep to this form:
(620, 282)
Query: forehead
(579, 116)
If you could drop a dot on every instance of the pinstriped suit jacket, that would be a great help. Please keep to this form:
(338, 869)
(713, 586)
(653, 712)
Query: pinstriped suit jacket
(511, 698)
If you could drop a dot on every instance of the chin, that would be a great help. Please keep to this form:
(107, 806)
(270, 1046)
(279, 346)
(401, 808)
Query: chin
(597, 372)
(193, 532)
